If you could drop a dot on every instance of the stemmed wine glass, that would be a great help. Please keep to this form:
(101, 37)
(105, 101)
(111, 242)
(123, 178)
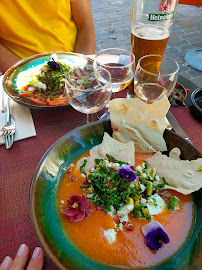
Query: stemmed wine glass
(88, 88)
(120, 63)
(155, 76)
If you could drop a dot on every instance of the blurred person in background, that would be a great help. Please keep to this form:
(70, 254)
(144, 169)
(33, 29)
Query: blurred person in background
(29, 27)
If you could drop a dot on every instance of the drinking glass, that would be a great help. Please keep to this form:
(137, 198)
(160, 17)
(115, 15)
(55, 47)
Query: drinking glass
(120, 63)
(151, 27)
(88, 88)
(155, 76)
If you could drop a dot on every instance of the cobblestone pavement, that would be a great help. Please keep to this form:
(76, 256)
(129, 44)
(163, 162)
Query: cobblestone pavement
(186, 32)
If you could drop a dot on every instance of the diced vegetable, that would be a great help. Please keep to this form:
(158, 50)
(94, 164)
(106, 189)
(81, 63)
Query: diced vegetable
(173, 203)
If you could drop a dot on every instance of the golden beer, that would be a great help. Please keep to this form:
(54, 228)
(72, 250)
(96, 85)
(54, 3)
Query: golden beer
(147, 39)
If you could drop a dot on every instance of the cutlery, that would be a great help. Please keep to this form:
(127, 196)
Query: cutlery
(176, 127)
(10, 138)
(10, 124)
(3, 130)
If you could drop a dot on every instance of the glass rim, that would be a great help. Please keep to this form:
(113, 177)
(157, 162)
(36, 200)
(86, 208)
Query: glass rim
(88, 89)
(162, 56)
(129, 52)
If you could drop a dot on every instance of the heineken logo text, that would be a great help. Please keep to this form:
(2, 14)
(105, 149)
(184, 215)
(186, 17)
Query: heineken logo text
(161, 17)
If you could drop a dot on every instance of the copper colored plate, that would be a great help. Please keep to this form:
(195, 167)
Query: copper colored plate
(12, 77)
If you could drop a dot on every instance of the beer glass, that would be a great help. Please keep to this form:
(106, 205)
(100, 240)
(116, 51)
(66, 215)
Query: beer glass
(155, 77)
(151, 26)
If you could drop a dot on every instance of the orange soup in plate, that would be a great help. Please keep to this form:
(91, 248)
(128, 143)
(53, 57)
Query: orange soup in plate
(128, 250)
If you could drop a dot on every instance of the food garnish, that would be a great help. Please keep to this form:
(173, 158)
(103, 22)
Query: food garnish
(173, 203)
(155, 235)
(127, 173)
(48, 86)
(121, 189)
(79, 208)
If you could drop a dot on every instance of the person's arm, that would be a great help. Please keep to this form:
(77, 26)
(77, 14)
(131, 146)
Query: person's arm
(81, 13)
(7, 58)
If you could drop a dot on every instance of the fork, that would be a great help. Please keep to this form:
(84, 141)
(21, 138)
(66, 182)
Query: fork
(9, 137)
(3, 130)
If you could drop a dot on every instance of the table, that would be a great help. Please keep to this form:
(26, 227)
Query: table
(18, 164)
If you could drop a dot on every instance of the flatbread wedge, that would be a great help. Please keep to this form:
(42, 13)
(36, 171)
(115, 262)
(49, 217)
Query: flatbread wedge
(183, 176)
(144, 124)
(121, 151)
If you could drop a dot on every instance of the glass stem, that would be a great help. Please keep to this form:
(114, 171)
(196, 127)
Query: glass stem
(88, 118)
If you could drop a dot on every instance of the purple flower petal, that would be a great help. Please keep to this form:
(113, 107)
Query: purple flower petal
(88, 212)
(84, 204)
(79, 208)
(127, 173)
(54, 65)
(70, 211)
(155, 235)
(78, 217)
(73, 198)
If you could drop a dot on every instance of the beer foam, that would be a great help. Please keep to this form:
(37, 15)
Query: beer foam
(150, 32)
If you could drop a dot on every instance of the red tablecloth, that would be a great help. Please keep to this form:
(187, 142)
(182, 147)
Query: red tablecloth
(18, 164)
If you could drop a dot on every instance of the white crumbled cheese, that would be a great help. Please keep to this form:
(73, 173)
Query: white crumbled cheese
(143, 201)
(83, 175)
(132, 184)
(112, 211)
(119, 227)
(144, 175)
(157, 178)
(124, 218)
(89, 196)
(138, 168)
(62, 201)
(110, 235)
(40, 85)
(115, 166)
(126, 209)
(155, 204)
(142, 187)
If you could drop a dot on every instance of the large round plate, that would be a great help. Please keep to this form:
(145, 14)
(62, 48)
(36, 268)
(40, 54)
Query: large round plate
(43, 206)
(14, 76)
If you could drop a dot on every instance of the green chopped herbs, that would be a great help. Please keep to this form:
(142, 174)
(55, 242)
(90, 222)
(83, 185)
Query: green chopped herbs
(173, 203)
(111, 192)
(112, 159)
(84, 164)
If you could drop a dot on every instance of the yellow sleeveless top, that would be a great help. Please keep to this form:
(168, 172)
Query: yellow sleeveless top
(29, 27)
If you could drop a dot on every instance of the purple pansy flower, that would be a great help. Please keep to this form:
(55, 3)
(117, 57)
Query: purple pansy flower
(126, 172)
(155, 235)
(54, 65)
(79, 208)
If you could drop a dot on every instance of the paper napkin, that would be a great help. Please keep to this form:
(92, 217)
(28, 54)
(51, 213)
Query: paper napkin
(24, 122)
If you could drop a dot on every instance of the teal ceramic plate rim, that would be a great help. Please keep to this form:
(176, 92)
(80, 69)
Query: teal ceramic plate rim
(44, 213)
(10, 78)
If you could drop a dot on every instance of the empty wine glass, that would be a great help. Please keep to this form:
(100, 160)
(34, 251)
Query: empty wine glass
(120, 64)
(88, 88)
(155, 76)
